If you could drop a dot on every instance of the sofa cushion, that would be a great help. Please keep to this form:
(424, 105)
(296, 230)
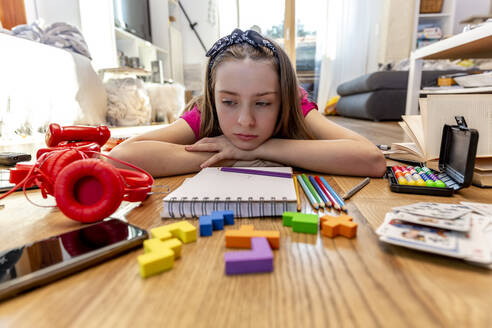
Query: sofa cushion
(377, 105)
(387, 80)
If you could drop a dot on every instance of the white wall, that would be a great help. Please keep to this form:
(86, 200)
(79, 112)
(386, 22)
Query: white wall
(467, 8)
(198, 11)
(97, 22)
(396, 30)
(52, 11)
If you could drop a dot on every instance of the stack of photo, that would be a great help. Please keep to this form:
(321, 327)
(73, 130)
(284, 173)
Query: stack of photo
(461, 231)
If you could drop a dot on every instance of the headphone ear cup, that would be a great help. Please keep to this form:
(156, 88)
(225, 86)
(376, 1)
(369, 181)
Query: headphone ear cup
(88, 190)
(56, 162)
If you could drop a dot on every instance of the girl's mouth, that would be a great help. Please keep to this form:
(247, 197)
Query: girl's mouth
(245, 137)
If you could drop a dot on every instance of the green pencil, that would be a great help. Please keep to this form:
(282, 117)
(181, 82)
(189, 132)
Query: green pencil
(312, 190)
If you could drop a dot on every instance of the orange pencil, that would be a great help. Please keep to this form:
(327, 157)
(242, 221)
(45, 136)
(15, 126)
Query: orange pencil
(297, 194)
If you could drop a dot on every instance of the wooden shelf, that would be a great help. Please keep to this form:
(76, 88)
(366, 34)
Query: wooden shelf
(126, 70)
(455, 90)
(432, 16)
(475, 43)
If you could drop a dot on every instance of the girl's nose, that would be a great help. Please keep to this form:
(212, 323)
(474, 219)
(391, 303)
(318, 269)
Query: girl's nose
(246, 117)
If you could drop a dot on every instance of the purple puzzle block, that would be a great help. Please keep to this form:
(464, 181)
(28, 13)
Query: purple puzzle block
(258, 259)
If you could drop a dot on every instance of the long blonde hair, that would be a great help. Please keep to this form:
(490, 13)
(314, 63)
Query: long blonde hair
(290, 122)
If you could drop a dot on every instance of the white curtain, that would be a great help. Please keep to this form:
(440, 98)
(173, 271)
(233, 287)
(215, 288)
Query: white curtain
(347, 43)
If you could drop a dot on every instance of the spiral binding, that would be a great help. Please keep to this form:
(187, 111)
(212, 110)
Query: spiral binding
(192, 209)
(216, 203)
(171, 202)
(250, 207)
(204, 205)
(238, 207)
(236, 204)
(181, 205)
(262, 207)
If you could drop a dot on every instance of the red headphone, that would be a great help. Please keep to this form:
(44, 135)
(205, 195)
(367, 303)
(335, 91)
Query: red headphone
(86, 189)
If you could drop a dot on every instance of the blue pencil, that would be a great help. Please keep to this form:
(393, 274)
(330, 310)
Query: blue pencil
(320, 192)
(334, 194)
(307, 192)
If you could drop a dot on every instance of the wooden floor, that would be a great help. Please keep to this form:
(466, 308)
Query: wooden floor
(378, 132)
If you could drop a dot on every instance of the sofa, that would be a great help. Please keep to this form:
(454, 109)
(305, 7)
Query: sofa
(380, 96)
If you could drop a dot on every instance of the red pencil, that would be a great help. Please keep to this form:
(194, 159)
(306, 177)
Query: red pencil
(327, 193)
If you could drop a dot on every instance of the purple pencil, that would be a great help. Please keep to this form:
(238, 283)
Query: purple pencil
(257, 172)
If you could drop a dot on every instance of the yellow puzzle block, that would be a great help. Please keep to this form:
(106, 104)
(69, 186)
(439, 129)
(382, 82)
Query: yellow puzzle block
(159, 256)
(155, 245)
(183, 230)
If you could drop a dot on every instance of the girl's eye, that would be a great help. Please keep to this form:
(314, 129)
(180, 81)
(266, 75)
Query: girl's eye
(228, 102)
(262, 103)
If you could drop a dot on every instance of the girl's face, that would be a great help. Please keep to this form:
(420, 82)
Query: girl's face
(247, 98)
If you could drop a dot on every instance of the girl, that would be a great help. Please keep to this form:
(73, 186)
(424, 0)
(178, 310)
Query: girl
(252, 110)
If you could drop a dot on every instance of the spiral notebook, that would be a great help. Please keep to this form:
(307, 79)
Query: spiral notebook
(248, 195)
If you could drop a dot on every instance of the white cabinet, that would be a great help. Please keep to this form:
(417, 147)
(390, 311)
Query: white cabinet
(444, 20)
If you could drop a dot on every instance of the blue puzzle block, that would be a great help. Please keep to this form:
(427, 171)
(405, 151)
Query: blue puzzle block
(228, 216)
(217, 221)
(205, 223)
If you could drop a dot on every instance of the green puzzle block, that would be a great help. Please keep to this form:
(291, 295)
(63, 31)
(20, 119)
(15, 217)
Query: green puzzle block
(300, 222)
(287, 218)
(307, 223)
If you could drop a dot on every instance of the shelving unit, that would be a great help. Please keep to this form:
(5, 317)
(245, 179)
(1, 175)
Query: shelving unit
(475, 43)
(133, 46)
(445, 19)
(105, 40)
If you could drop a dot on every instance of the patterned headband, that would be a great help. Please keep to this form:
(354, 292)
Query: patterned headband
(236, 37)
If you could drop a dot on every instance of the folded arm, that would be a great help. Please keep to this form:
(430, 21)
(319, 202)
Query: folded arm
(336, 150)
(162, 152)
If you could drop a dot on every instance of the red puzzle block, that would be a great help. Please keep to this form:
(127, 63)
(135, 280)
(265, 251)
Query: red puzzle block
(332, 226)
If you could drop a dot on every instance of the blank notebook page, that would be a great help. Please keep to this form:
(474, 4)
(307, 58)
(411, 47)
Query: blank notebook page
(212, 183)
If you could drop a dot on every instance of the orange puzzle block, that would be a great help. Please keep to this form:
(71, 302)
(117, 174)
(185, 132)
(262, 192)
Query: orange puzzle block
(242, 238)
(332, 226)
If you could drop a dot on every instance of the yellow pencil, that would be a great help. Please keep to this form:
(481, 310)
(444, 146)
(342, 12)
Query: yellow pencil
(297, 194)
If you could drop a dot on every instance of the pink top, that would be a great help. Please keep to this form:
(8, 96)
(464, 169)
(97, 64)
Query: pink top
(193, 117)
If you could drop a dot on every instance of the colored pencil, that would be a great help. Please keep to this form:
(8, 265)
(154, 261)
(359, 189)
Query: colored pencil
(307, 192)
(327, 202)
(336, 205)
(297, 195)
(327, 193)
(312, 190)
(355, 189)
(333, 193)
(257, 172)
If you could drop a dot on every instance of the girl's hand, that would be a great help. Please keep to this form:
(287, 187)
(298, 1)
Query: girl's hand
(224, 149)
